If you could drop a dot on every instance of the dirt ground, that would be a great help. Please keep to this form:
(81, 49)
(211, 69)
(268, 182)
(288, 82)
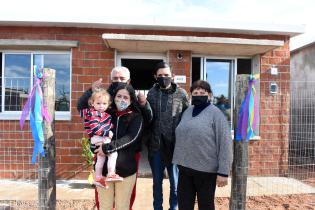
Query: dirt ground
(290, 202)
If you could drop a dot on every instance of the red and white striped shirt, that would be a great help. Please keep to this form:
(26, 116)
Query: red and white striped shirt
(96, 123)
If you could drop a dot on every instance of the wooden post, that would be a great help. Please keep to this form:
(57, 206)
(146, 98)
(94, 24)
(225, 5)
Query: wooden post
(240, 161)
(46, 175)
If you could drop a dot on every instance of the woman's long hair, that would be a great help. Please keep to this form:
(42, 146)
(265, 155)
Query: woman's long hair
(134, 105)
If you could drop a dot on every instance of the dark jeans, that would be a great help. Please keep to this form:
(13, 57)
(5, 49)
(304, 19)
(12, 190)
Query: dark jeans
(192, 183)
(158, 173)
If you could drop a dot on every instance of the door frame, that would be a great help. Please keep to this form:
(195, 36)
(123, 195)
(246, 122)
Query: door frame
(134, 55)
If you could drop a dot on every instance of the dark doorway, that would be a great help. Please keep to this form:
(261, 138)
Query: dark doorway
(142, 78)
(195, 69)
(141, 72)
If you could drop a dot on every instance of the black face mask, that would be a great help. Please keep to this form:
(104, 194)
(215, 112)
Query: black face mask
(164, 81)
(199, 100)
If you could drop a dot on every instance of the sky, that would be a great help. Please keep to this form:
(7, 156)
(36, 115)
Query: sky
(292, 12)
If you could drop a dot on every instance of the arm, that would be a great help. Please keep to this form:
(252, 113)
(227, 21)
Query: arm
(83, 100)
(147, 114)
(131, 136)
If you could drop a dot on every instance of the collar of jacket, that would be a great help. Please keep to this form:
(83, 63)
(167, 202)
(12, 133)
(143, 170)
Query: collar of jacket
(120, 113)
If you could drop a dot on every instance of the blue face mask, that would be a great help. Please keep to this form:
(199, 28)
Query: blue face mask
(121, 105)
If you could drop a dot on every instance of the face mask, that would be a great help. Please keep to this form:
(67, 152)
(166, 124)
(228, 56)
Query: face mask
(164, 82)
(121, 105)
(198, 100)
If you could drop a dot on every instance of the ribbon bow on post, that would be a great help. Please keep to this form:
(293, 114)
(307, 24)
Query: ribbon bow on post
(37, 111)
(248, 113)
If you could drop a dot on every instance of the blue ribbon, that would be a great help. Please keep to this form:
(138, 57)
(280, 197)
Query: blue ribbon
(36, 123)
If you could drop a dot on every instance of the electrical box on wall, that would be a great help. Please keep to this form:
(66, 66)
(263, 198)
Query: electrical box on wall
(274, 71)
(273, 88)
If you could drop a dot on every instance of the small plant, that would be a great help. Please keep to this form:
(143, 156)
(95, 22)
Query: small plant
(86, 152)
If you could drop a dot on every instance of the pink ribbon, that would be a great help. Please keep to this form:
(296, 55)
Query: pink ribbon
(29, 106)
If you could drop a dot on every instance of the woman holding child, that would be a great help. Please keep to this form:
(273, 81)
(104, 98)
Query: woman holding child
(127, 125)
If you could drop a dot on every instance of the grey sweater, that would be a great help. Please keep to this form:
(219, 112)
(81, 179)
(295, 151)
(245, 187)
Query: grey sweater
(204, 142)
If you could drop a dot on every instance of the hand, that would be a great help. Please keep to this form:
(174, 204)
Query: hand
(99, 151)
(222, 181)
(142, 100)
(99, 144)
(97, 84)
(110, 134)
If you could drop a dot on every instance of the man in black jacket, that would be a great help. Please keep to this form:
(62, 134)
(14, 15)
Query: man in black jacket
(167, 102)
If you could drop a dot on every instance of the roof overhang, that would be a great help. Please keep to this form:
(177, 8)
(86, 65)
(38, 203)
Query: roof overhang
(214, 26)
(28, 44)
(197, 45)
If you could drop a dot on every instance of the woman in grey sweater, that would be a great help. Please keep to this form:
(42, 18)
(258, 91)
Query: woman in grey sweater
(203, 150)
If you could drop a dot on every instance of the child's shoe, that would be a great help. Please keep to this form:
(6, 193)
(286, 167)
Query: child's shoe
(101, 183)
(114, 178)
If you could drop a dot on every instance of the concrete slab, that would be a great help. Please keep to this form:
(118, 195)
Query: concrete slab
(80, 190)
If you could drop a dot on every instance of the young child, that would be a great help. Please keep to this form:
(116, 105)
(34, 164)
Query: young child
(97, 124)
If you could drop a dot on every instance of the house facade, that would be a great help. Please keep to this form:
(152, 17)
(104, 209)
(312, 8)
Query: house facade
(82, 53)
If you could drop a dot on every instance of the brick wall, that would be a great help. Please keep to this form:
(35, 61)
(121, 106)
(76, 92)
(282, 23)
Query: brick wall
(91, 60)
(181, 66)
(269, 156)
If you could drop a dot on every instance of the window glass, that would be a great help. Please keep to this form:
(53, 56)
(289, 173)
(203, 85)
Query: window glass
(218, 74)
(61, 63)
(16, 80)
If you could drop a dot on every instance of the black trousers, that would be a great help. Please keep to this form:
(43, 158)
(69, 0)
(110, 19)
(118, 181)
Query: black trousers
(192, 183)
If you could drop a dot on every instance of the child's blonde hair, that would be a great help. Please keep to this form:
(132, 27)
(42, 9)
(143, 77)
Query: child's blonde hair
(99, 93)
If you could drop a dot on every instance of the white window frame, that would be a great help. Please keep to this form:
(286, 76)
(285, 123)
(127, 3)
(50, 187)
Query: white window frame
(15, 115)
(131, 55)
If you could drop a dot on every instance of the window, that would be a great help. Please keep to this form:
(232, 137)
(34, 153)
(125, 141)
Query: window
(221, 73)
(17, 81)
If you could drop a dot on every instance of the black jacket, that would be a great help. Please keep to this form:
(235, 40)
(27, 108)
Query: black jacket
(127, 133)
(167, 107)
(145, 111)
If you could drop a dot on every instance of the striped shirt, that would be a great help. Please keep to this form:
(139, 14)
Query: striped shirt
(96, 123)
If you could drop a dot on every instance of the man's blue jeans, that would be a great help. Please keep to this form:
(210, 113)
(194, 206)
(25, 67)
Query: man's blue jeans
(157, 169)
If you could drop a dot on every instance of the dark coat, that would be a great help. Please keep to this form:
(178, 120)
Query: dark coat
(161, 131)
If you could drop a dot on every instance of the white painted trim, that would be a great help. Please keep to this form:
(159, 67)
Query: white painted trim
(218, 26)
(193, 39)
(2, 82)
(127, 55)
(70, 96)
(15, 115)
(38, 43)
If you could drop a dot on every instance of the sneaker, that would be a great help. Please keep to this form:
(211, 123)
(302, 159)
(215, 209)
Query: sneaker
(101, 183)
(114, 178)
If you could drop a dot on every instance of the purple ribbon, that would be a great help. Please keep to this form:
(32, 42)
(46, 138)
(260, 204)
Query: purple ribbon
(248, 107)
(29, 106)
